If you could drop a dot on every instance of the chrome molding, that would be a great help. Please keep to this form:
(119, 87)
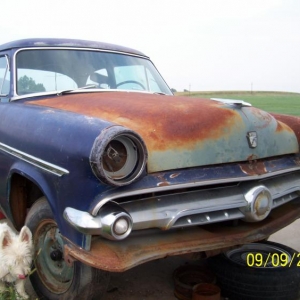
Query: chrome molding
(115, 197)
(164, 211)
(209, 205)
(113, 222)
(44, 165)
(196, 207)
(77, 91)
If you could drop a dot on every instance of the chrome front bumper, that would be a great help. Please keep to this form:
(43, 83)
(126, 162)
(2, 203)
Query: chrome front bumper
(199, 241)
(250, 201)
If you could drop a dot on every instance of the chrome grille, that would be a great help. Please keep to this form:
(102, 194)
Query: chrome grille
(205, 206)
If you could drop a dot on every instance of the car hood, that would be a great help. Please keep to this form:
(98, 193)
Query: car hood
(182, 132)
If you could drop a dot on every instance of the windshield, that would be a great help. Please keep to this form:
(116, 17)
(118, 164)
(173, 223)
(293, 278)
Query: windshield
(48, 70)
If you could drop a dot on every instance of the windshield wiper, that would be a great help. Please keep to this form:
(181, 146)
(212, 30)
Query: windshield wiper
(88, 86)
(159, 93)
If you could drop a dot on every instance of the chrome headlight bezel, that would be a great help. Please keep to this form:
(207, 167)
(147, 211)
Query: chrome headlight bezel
(107, 151)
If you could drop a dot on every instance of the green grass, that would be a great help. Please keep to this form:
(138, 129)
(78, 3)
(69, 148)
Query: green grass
(10, 293)
(279, 102)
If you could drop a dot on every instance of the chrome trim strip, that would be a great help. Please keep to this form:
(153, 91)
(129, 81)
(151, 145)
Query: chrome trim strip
(104, 224)
(94, 211)
(76, 91)
(163, 211)
(208, 218)
(46, 166)
(81, 48)
(197, 207)
(82, 221)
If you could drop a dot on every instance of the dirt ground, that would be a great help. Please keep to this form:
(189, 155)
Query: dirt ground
(153, 280)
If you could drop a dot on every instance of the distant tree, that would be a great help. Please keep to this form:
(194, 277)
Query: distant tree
(173, 90)
(27, 85)
(186, 91)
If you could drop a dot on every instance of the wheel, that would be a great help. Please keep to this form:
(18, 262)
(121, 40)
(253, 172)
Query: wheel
(53, 278)
(258, 271)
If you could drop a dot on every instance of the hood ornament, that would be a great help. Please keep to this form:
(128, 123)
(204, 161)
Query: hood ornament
(252, 139)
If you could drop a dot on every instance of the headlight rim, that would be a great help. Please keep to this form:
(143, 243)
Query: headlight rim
(98, 149)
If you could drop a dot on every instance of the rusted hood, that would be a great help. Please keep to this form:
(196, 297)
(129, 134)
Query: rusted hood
(183, 132)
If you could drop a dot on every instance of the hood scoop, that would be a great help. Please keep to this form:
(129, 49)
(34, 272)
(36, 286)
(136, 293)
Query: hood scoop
(238, 103)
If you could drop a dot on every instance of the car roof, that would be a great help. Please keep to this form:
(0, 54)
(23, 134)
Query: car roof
(73, 43)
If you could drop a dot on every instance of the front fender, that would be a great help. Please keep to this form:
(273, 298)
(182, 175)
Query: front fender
(49, 185)
(292, 121)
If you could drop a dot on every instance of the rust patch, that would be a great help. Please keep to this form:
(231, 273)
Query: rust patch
(174, 175)
(282, 127)
(163, 182)
(164, 122)
(253, 168)
(264, 117)
(297, 161)
(252, 157)
(291, 122)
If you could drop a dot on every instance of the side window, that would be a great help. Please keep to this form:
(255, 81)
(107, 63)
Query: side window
(4, 76)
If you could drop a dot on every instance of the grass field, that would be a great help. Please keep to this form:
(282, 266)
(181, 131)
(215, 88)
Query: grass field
(279, 102)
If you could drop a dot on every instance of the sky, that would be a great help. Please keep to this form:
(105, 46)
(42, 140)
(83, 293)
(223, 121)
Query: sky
(198, 45)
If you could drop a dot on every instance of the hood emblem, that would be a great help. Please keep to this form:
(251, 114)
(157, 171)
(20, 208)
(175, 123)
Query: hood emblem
(252, 139)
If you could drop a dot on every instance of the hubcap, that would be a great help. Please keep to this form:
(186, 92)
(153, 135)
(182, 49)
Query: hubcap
(56, 255)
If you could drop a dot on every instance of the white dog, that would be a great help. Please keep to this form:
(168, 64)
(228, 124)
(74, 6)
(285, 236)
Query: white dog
(15, 257)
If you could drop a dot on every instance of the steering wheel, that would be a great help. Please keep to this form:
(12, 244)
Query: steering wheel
(131, 81)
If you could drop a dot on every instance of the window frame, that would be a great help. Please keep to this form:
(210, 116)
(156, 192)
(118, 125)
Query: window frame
(7, 71)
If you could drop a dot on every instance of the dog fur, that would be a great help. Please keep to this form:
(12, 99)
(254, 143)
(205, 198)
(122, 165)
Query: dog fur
(16, 252)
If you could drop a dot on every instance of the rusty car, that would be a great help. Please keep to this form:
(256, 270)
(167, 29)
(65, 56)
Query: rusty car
(110, 170)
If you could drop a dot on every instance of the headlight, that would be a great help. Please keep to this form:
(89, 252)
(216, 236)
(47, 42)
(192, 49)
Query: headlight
(118, 156)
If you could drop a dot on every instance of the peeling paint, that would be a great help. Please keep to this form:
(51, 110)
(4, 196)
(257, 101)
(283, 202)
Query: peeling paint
(184, 132)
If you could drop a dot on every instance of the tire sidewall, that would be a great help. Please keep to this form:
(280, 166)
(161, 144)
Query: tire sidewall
(82, 286)
(276, 270)
(251, 283)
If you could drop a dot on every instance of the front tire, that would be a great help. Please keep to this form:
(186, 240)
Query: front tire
(53, 278)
